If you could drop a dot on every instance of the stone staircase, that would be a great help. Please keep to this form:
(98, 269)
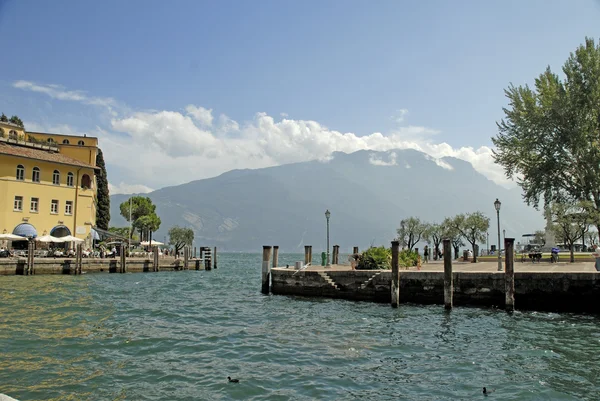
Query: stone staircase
(326, 277)
(369, 281)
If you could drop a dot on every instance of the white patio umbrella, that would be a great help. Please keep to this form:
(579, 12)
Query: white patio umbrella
(146, 243)
(70, 238)
(12, 237)
(49, 238)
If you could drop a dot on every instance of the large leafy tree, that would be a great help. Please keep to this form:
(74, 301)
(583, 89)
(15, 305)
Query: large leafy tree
(137, 207)
(435, 233)
(570, 223)
(453, 234)
(472, 227)
(550, 136)
(180, 237)
(411, 231)
(103, 210)
(146, 225)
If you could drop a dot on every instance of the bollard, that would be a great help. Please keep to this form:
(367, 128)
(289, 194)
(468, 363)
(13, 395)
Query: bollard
(186, 256)
(275, 255)
(336, 252)
(355, 250)
(215, 258)
(155, 259)
(123, 264)
(266, 269)
(509, 273)
(395, 275)
(448, 279)
(78, 258)
(306, 254)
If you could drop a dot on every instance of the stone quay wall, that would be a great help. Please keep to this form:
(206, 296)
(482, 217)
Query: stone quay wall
(543, 291)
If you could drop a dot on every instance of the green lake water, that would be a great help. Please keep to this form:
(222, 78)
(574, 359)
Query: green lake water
(178, 335)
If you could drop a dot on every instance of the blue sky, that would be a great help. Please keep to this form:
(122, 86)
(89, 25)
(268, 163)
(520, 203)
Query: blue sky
(428, 75)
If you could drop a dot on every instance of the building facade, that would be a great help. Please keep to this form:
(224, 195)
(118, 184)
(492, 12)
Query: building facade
(47, 183)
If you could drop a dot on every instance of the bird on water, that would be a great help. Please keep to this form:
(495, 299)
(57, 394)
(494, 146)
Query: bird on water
(237, 381)
(486, 391)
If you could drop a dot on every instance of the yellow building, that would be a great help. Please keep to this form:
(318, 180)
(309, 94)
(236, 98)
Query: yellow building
(47, 183)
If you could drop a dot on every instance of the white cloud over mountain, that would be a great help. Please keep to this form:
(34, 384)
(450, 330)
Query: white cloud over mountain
(160, 148)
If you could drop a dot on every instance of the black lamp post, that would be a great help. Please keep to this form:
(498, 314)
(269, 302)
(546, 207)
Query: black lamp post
(327, 215)
(497, 205)
(487, 243)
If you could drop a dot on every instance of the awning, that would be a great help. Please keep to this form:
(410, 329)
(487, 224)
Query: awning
(25, 230)
(104, 235)
(95, 235)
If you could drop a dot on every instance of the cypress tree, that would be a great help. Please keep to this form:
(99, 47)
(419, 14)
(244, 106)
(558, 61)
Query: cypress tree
(103, 210)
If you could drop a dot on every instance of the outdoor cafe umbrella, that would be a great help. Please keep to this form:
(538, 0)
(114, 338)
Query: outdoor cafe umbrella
(12, 237)
(49, 238)
(146, 243)
(70, 238)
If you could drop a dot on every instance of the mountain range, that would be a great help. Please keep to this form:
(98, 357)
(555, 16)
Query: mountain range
(367, 193)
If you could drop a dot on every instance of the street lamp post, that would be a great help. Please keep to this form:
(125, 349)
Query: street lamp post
(327, 215)
(487, 243)
(497, 206)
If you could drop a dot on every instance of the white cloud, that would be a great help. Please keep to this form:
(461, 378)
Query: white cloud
(158, 148)
(124, 188)
(59, 92)
(377, 161)
(399, 116)
(200, 114)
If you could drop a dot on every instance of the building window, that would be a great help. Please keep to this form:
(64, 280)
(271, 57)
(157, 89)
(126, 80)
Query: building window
(18, 203)
(20, 172)
(50, 140)
(56, 177)
(65, 141)
(69, 208)
(35, 176)
(54, 206)
(80, 143)
(86, 182)
(13, 135)
(70, 179)
(34, 205)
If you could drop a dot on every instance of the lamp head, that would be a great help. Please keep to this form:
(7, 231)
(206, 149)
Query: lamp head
(497, 205)
(327, 213)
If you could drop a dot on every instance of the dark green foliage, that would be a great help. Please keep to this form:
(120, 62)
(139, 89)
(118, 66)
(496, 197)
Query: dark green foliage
(103, 210)
(17, 121)
(3, 118)
(408, 258)
(375, 258)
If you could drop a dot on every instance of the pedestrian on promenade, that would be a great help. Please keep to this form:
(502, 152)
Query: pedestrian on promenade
(425, 254)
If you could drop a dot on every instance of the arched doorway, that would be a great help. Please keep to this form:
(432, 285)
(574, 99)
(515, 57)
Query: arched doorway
(60, 231)
(23, 230)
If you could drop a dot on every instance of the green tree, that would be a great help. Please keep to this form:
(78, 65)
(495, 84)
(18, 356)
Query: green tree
(472, 227)
(453, 234)
(549, 139)
(570, 223)
(103, 210)
(146, 225)
(180, 237)
(135, 208)
(3, 118)
(411, 231)
(120, 231)
(540, 238)
(17, 121)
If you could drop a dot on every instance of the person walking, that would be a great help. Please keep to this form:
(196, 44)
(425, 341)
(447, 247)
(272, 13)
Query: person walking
(425, 254)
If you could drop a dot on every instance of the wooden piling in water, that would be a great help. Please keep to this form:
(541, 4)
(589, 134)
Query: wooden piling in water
(448, 278)
(395, 275)
(186, 257)
(123, 267)
(215, 258)
(306, 254)
(266, 270)
(30, 257)
(355, 250)
(310, 258)
(509, 273)
(275, 255)
(155, 267)
(194, 252)
(78, 258)
(336, 254)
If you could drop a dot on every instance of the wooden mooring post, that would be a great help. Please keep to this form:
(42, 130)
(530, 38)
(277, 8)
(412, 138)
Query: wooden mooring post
(186, 257)
(336, 254)
(395, 275)
(155, 266)
(310, 258)
(448, 278)
(355, 250)
(266, 270)
(215, 257)
(123, 267)
(509, 273)
(194, 252)
(30, 257)
(78, 258)
(275, 255)
(306, 254)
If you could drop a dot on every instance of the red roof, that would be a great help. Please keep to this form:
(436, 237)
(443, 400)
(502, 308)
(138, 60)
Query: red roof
(39, 154)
